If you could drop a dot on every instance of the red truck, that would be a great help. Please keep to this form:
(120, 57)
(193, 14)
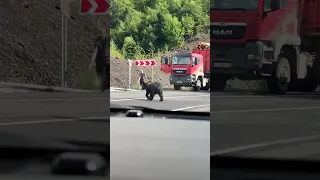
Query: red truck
(273, 40)
(188, 69)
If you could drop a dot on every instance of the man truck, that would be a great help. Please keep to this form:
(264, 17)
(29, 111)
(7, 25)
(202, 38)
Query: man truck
(189, 69)
(277, 41)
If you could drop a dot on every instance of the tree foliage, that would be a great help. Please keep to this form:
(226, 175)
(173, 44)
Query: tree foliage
(146, 26)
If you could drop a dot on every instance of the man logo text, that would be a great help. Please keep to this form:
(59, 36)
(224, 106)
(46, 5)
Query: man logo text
(222, 32)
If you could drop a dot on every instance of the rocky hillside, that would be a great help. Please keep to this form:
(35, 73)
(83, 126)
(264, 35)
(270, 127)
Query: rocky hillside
(30, 42)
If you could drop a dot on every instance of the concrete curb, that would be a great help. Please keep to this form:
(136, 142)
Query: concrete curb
(34, 87)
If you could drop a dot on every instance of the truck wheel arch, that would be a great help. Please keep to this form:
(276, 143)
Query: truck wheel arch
(292, 55)
(285, 46)
(200, 76)
(283, 40)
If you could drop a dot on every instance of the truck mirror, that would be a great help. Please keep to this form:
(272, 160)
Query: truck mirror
(275, 5)
(164, 60)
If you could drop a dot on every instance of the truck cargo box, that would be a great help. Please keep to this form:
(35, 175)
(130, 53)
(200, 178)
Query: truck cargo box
(206, 59)
(309, 17)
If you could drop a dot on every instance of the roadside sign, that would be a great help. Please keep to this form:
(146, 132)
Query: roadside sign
(146, 63)
(154, 63)
(95, 7)
(65, 7)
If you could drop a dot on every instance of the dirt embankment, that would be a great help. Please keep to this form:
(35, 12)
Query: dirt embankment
(30, 42)
(119, 74)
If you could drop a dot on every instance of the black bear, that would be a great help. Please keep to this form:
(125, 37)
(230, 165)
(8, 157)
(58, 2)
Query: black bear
(152, 89)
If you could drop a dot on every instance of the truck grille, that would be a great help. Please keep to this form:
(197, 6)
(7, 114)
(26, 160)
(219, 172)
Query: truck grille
(178, 71)
(227, 31)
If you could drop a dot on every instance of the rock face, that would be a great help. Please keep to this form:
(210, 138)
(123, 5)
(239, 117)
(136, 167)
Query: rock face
(30, 42)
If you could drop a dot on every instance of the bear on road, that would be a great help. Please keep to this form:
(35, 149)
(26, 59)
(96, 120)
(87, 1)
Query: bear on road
(152, 89)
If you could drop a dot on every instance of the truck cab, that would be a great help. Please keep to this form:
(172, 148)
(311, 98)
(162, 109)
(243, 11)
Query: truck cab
(187, 70)
(260, 39)
(237, 32)
(165, 65)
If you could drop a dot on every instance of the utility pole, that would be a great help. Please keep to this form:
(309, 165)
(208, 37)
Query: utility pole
(65, 9)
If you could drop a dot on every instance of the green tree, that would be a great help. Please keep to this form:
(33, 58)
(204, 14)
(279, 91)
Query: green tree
(130, 48)
(156, 25)
(188, 25)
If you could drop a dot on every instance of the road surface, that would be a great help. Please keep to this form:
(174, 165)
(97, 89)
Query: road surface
(241, 123)
(173, 100)
(55, 115)
(245, 124)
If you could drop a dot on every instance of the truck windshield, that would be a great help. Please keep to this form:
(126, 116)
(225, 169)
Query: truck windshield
(181, 59)
(234, 4)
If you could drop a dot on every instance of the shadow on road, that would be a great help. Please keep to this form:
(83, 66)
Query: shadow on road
(172, 90)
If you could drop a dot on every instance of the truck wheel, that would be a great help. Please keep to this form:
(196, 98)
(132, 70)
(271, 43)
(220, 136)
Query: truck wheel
(218, 83)
(206, 88)
(176, 87)
(280, 84)
(197, 86)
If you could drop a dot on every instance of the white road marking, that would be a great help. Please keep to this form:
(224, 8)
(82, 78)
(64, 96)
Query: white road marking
(50, 121)
(263, 110)
(56, 99)
(170, 97)
(175, 97)
(81, 99)
(264, 144)
(191, 107)
(201, 109)
(118, 100)
(244, 96)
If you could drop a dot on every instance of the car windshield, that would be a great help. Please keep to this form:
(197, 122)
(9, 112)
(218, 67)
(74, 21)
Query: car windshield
(181, 60)
(234, 4)
(142, 39)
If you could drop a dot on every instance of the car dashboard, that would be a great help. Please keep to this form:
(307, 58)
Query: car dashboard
(160, 145)
(48, 163)
(145, 145)
(240, 168)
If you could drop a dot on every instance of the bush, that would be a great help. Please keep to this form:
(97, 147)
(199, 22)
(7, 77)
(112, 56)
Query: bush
(144, 28)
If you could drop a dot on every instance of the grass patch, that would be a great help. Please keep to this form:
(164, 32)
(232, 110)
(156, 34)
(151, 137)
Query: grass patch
(114, 51)
(87, 80)
(137, 87)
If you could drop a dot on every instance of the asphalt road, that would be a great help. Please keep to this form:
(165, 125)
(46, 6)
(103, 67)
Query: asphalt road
(55, 115)
(247, 124)
(173, 100)
(241, 123)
